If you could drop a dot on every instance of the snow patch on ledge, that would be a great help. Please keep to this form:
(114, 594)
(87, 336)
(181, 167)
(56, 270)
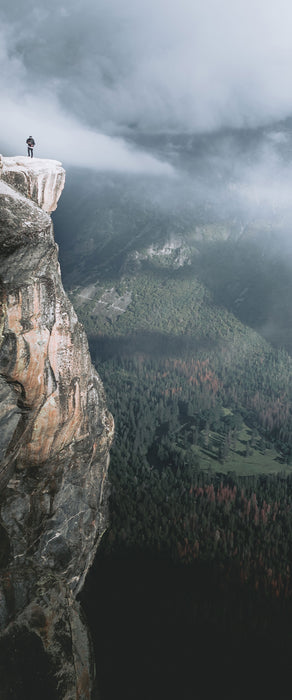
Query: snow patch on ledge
(39, 179)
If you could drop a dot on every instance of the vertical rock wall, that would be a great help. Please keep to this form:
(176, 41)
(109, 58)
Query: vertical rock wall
(54, 444)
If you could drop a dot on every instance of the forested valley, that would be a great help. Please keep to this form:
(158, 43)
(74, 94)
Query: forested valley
(200, 499)
(194, 569)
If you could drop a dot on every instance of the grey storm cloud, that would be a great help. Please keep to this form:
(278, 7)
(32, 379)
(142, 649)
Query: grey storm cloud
(83, 76)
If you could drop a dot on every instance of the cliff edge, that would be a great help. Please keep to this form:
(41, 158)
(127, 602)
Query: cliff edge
(55, 435)
(38, 179)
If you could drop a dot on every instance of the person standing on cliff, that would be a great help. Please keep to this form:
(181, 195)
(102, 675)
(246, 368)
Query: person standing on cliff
(30, 144)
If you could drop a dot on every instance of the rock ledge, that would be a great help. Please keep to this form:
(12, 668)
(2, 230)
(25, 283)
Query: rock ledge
(39, 179)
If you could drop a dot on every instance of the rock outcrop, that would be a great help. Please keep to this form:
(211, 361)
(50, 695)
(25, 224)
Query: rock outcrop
(38, 179)
(54, 446)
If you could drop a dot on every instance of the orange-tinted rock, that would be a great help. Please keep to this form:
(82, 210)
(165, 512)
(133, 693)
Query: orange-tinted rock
(56, 430)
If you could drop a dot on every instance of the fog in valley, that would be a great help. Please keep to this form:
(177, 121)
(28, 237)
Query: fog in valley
(229, 189)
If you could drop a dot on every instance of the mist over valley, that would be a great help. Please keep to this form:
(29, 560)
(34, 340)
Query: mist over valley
(225, 212)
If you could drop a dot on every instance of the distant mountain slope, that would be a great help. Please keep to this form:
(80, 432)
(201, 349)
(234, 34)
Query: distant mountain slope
(165, 279)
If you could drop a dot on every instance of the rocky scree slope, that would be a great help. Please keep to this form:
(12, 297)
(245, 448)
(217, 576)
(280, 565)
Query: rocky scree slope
(55, 435)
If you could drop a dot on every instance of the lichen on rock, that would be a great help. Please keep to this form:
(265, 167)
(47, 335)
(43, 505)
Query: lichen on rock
(55, 437)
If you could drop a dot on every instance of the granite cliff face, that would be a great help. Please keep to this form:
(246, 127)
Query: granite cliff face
(55, 434)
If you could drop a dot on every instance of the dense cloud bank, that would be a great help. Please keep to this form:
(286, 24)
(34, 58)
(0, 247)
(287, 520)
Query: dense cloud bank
(78, 76)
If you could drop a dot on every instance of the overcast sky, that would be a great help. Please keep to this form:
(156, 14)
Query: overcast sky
(79, 76)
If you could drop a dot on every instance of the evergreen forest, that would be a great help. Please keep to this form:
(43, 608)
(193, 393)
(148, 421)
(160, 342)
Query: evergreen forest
(191, 337)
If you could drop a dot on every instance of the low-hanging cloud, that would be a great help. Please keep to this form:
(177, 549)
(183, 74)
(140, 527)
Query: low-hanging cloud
(58, 132)
(60, 136)
(187, 65)
(84, 77)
